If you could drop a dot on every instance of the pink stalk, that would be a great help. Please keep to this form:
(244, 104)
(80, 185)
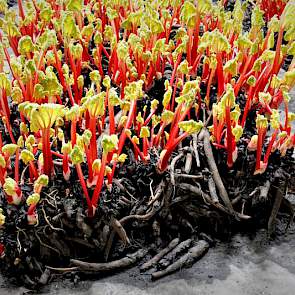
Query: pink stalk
(99, 183)
(47, 155)
(261, 135)
(229, 138)
(270, 145)
(84, 187)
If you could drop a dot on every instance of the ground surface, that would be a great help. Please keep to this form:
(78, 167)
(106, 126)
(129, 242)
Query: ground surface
(243, 266)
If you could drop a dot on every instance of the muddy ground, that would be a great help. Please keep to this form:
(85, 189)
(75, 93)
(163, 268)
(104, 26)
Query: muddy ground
(248, 264)
(245, 265)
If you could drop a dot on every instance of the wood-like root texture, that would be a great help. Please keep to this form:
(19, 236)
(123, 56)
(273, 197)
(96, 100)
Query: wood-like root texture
(163, 221)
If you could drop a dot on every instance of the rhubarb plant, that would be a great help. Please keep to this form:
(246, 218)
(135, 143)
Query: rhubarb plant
(12, 191)
(42, 117)
(82, 75)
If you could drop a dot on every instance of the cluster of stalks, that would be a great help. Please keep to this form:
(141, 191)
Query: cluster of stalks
(74, 76)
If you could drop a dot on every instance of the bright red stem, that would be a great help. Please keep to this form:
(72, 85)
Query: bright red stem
(220, 76)
(32, 208)
(84, 188)
(229, 139)
(65, 166)
(175, 69)
(127, 126)
(276, 64)
(270, 145)
(99, 183)
(261, 134)
(33, 170)
(47, 155)
(163, 163)
(111, 118)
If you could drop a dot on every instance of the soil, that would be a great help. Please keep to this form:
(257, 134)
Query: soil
(34, 255)
(247, 264)
(146, 210)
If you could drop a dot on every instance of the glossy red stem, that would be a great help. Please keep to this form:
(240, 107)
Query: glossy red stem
(47, 156)
(270, 145)
(229, 137)
(84, 188)
(261, 135)
(99, 183)
(163, 162)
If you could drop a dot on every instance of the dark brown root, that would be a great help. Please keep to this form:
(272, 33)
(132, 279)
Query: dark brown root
(110, 266)
(80, 242)
(81, 224)
(45, 277)
(158, 193)
(264, 191)
(109, 245)
(214, 170)
(160, 255)
(188, 163)
(198, 192)
(62, 269)
(212, 190)
(122, 187)
(172, 166)
(174, 253)
(195, 149)
(186, 260)
(119, 229)
(281, 188)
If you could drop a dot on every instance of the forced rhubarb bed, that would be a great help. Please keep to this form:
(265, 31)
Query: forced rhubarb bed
(139, 132)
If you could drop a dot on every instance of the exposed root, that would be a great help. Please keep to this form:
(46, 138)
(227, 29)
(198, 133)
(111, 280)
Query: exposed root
(62, 269)
(110, 266)
(19, 245)
(188, 163)
(195, 149)
(157, 232)
(160, 255)
(214, 170)
(212, 190)
(193, 254)
(156, 206)
(50, 225)
(158, 193)
(174, 253)
(87, 230)
(45, 245)
(281, 188)
(264, 191)
(80, 242)
(172, 166)
(43, 280)
(200, 193)
(119, 229)
(109, 245)
(122, 188)
(194, 177)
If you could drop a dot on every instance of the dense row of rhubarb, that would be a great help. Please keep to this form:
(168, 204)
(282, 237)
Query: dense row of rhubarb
(80, 69)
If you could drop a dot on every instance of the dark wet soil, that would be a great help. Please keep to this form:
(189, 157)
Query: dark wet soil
(246, 264)
(221, 263)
